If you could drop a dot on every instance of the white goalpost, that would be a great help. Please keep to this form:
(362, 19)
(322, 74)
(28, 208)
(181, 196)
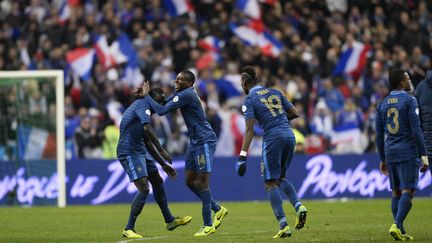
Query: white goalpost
(59, 116)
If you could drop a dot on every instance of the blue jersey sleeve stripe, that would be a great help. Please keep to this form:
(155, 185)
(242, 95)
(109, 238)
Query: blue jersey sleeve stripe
(266, 168)
(131, 167)
(207, 155)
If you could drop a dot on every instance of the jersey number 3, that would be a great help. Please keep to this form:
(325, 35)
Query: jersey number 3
(273, 103)
(393, 128)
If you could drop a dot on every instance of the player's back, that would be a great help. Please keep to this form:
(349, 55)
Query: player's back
(395, 111)
(269, 108)
(199, 128)
(131, 128)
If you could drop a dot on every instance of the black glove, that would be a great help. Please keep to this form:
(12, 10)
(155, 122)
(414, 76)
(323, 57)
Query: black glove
(241, 165)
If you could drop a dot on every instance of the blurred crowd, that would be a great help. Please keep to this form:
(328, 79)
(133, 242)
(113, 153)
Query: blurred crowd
(337, 111)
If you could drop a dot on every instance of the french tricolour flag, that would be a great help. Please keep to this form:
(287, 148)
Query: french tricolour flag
(109, 55)
(132, 75)
(81, 61)
(254, 34)
(352, 60)
(250, 7)
(64, 11)
(211, 43)
(178, 7)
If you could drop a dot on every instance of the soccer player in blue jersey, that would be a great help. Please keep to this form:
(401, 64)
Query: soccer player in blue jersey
(398, 120)
(273, 112)
(137, 149)
(202, 145)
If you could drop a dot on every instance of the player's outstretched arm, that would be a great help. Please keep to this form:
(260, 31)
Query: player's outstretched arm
(148, 130)
(171, 172)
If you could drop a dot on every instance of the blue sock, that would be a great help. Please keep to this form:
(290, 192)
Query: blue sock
(276, 204)
(214, 205)
(394, 206)
(404, 207)
(206, 207)
(136, 208)
(290, 191)
(160, 198)
(395, 202)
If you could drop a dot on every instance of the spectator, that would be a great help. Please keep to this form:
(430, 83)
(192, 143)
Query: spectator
(88, 140)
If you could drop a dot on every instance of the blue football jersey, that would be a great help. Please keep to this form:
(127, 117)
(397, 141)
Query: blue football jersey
(398, 119)
(131, 128)
(268, 106)
(188, 101)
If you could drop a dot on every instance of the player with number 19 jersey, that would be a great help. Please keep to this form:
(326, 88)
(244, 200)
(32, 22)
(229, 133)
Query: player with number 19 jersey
(268, 106)
(398, 119)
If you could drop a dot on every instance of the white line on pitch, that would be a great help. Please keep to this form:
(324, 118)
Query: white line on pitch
(243, 233)
(142, 239)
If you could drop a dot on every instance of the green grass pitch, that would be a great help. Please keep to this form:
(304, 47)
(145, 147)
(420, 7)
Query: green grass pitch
(359, 221)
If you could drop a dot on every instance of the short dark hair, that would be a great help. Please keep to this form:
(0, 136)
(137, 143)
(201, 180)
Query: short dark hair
(396, 77)
(249, 75)
(157, 94)
(189, 76)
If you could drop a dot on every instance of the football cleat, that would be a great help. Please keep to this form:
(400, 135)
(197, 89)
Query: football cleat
(205, 230)
(407, 237)
(219, 215)
(285, 232)
(131, 234)
(178, 221)
(395, 232)
(301, 215)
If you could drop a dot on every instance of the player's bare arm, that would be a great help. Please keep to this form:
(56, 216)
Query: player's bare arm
(292, 113)
(155, 141)
(171, 172)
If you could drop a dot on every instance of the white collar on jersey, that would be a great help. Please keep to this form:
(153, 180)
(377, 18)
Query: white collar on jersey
(395, 92)
(254, 88)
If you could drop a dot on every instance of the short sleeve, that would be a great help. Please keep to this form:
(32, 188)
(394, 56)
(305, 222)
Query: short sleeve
(286, 104)
(143, 111)
(247, 108)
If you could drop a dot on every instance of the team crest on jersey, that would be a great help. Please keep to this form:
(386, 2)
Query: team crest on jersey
(244, 108)
(176, 99)
(148, 112)
(417, 111)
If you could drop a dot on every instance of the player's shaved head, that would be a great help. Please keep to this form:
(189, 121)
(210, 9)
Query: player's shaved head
(189, 76)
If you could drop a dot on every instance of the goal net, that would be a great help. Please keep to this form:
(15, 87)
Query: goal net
(32, 149)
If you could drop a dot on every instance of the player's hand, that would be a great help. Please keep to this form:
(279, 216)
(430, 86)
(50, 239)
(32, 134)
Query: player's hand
(166, 156)
(171, 172)
(383, 168)
(425, 164)
(241, 165)
(145, 88)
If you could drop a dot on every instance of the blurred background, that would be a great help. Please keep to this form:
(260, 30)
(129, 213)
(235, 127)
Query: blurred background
(330, 58)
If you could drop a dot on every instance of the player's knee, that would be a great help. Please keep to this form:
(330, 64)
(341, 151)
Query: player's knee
(142, 185)
(271, 184)
(410, 192)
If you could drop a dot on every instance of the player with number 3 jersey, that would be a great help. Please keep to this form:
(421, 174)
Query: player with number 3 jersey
(400, 153)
